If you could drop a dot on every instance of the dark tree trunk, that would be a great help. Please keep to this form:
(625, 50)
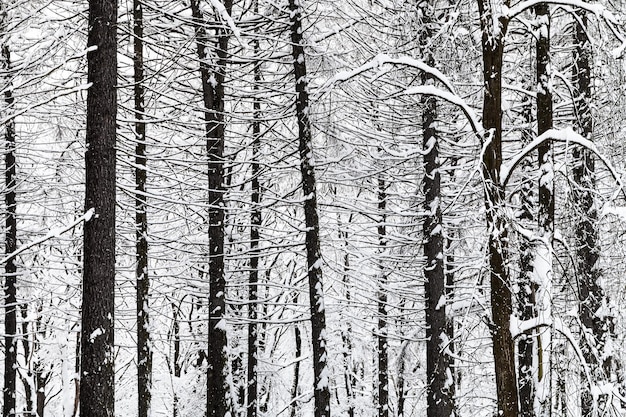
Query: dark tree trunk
(383, 356)
(27, 380)
(546, 207)
(176, 358)
(321, 375)
(527, 286)
(346, 332)
(10, 246)
(255, 221)
(97, 331)
(501, 299)
(590, 292)
(440, 384)
(41, 376)
(295, 389)
(213, 98)
(144, 352)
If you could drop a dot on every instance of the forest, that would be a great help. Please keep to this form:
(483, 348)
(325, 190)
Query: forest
(313, 208)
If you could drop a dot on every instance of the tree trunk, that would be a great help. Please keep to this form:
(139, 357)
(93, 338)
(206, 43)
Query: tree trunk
(346, 331)
(321, 374)
(590, 293)
(97, 331)
(176, 359)
(543, 254)
(440, 384)
(10, 244)
(213, 98)
(144, 349)
(501, 300)
(41, 377)
(255, 222)
(383, 356)
(27, 380)
(295, 389)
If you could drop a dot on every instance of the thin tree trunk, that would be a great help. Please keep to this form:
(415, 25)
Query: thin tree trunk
(97, 331)
(527, 286)
(27, 380)
(213, 97)
(10, 243)
(543, 254)
(176, 359)
(41, 377)
(321, 374)
(295, 388)
(346, 332)
(255, 222)
(144, 349)
(501, 299)
(383, 356)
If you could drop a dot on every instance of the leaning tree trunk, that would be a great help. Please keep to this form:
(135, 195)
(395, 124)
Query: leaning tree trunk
(501, 299)
(144, 350)
(213, 98)
(10, 242)
(97, 331)
(440, 384)
(321, 389)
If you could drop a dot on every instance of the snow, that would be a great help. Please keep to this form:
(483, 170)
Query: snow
(98, 332)
(221, 325)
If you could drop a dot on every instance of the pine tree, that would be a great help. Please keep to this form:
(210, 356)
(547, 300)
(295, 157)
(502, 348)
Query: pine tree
(97, 330)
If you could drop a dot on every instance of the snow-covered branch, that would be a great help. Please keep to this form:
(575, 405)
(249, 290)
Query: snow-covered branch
(52, 234)
(382, 59)
(221, 10)
(612, 21)
(595, 8)
(566, 135)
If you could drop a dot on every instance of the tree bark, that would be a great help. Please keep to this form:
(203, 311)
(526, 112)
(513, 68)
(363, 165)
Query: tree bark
(144, 349)
(255, 221)
(545, 213)
(295, 388)
(97, 331)
(10, 242)
(501, 299)
(381, 336)
(27, 380)
(213, 98)
(440, 388)
(176, 359)
(590, 292)
(527, 286)
(321, 374)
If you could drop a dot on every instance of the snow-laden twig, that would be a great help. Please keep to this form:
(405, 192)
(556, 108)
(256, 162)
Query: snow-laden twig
(382, 59)
(52, 234)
